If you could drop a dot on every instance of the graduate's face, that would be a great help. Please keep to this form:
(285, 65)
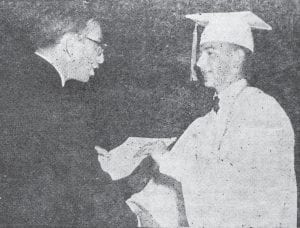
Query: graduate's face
(216, 62)
(87, 52)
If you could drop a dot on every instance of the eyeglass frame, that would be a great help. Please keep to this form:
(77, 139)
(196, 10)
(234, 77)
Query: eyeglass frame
(99, 44)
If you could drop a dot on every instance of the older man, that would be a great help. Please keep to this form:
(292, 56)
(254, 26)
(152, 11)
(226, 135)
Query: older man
(50, 174)
(236, 164)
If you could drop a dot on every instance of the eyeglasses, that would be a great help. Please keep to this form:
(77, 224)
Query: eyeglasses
(100, 46)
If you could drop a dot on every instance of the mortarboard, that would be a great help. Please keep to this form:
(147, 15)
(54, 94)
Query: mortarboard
(232, 27)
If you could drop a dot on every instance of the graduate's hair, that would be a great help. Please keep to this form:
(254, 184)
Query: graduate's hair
(44, 22)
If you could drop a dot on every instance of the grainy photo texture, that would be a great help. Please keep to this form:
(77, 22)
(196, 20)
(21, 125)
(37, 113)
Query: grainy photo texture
(149, 113)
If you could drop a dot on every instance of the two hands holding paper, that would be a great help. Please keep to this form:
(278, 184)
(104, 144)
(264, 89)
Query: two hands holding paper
(135, 165)
(141, 155)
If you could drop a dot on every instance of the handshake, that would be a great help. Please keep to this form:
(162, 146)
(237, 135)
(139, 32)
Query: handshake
(139, 178)
(144, 171)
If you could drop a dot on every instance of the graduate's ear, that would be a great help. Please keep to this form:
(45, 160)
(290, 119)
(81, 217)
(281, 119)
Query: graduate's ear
(238, 57)
(240, 53)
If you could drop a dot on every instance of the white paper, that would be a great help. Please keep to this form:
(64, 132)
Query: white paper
(156, 204)
(122, 160)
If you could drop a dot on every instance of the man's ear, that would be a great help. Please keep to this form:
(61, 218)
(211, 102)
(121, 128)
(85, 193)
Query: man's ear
(71, 44)
(238, 57)
(240, 54)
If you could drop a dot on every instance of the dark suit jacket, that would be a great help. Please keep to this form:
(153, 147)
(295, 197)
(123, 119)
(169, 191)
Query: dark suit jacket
(49, 173)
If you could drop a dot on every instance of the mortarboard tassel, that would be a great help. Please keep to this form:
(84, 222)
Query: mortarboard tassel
(193, 76)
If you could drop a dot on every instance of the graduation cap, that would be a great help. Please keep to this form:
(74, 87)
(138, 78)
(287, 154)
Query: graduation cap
(232, 27)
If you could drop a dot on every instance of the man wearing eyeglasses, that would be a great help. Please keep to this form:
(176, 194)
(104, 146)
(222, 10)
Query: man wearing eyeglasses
(76, 55)
(49, 172)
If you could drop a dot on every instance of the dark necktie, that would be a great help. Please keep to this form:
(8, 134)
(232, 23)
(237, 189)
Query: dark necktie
(216, 106)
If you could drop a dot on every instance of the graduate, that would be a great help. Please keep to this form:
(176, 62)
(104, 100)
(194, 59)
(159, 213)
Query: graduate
(235, 164)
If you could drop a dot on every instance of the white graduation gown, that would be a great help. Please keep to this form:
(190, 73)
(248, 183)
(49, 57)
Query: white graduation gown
(237, 166)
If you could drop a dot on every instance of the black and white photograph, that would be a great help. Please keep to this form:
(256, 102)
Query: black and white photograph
(150, 113)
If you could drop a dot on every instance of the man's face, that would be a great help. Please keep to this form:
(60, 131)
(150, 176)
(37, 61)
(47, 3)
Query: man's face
(216, 64)
(87, 52)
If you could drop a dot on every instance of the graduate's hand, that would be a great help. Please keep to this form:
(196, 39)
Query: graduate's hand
(154, 149)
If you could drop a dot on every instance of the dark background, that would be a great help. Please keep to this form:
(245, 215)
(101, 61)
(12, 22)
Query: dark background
(143, 88)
